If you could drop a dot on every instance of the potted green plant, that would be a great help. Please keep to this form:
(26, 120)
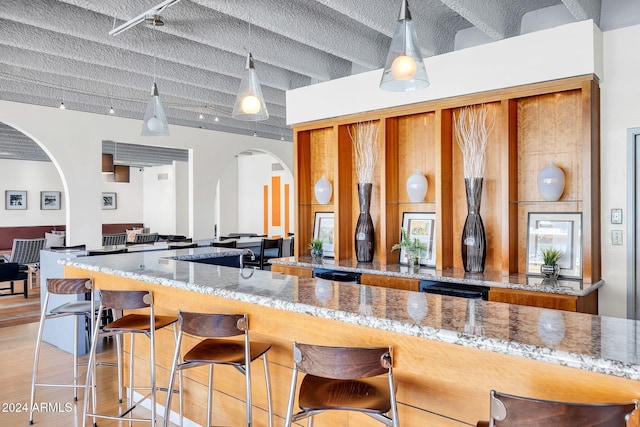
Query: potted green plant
(316, 248)
(412, 247)
(550, 257)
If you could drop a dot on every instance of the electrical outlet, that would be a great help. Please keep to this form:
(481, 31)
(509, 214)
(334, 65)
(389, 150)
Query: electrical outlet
(616, 216)
(616, 237)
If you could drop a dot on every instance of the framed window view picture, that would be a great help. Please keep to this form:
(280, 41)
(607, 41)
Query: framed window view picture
(323, 230)
(421, 226)
(15, 200)
(561, 231)
(109, 201)
(50, 200)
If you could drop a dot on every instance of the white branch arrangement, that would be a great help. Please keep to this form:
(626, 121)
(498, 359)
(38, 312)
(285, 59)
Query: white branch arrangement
(473, 126)
(364, 136)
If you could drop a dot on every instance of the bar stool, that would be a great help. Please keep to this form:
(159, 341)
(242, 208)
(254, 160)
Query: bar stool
(132, 323)
(342, 378)
(81, 308)
(510, 411)
(216, 350)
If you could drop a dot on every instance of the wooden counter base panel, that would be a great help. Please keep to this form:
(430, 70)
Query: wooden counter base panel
(585, 304)
(439, 384)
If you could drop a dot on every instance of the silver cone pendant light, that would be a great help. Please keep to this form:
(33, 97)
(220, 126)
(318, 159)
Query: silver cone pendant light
(250, 103)
(155, 122)
(404, 69)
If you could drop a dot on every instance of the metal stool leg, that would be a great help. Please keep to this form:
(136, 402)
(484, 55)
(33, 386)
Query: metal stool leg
(36, 357)
(210, 394)
(268, 384)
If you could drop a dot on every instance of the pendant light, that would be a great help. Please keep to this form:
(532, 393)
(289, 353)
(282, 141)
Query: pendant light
(404, 69)
(154, 122)
(250, 103)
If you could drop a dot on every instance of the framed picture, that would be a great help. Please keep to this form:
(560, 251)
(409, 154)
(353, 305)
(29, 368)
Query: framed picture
(50, 200)
(109, 201)
(323, 230)
(15, 200)
(561, 231)
(421, 226)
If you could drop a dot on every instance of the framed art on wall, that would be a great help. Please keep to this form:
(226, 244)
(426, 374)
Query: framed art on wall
(50, 200)
(561, 231)
(15, 200)
(323, 230)
(421, 226)
(109, 201)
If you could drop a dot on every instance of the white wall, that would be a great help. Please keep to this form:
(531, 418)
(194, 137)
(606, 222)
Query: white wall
(73, 141)
(620, 110)
(159, 198)
(32, 177)
(254, 172)
(181, 183)
(128, 200)
(227, 220)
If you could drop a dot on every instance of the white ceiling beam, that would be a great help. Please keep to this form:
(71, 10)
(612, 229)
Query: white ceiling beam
(488, 16)
(137, 74)
(584, 9)
(435, 24)
(192, 24)
(312, 25)
(63, 19)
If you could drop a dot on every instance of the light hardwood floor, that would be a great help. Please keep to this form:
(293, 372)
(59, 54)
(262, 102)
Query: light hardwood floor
(17, 345)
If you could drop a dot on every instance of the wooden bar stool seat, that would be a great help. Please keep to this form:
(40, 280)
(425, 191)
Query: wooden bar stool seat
(508, 410)
(343, 379)
(133, 324)
(218, 349)
(364, 395)
(139, 323)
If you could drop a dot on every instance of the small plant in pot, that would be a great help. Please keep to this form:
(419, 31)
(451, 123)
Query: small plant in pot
(550, 257)
(316, 248)
(411, 247)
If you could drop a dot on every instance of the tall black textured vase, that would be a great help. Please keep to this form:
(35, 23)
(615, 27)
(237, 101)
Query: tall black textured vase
(474, 238)
(364, 236)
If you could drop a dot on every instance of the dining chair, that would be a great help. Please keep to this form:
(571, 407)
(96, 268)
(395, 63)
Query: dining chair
(117, 239)
(10, 272)
(225, 244)
(26, 252)
(145, 238)
(269, 248)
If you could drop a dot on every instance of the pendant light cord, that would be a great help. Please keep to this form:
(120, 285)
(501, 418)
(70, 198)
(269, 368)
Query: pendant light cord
(154, 55)
(250, 19)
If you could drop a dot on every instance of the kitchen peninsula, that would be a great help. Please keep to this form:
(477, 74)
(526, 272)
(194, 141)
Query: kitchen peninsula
(448, 352)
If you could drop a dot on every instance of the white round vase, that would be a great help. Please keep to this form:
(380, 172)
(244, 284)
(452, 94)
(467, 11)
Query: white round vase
(322, 190)
(551, 182)
(417, 186)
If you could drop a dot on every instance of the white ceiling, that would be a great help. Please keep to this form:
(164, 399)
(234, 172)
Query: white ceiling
(61, 50)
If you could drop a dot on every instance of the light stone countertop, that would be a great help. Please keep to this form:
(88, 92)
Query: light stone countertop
(594, 343)
(489, 278)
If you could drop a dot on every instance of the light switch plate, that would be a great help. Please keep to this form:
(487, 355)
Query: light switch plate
(616, 237)
(616, 216)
